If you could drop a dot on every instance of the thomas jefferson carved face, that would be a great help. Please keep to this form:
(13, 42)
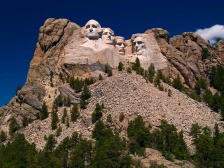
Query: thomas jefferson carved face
(139, 45)
(93, 30)
(108, 36)
(120, 45)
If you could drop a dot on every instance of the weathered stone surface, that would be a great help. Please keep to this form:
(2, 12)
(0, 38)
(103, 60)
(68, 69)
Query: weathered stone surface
(220, 48)
(184, 54)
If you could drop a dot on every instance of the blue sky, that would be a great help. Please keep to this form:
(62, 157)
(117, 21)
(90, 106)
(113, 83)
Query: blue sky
(20, 22)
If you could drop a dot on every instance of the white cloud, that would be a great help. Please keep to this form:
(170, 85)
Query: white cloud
(212, 33)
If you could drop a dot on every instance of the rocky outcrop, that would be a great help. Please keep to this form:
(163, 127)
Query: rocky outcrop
(53, 36)
(220, 48)
(185, 55)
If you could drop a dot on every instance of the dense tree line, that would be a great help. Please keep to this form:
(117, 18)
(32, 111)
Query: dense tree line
(209, 147)
(166, 139)
(75, 151)
(109, 150)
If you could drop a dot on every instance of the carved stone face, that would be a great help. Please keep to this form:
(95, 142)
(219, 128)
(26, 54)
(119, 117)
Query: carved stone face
(108, 36)
(120, 45)
(139, 45)
(93, 29)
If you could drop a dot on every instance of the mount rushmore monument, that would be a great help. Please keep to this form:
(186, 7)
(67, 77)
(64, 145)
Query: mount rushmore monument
(92, 43)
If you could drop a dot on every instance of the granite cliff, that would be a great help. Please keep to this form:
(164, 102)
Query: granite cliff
(68, 50)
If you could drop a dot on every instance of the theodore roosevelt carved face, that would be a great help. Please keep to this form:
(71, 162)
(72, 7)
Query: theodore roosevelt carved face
(139, 46)
(120, 44)
(93, 29)
(108, 36)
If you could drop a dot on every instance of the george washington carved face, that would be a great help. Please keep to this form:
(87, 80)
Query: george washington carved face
(93, 29)
(108, 36)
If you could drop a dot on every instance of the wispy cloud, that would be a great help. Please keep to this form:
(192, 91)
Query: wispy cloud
(212, 33)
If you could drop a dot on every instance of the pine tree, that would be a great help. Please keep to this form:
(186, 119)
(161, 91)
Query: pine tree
(50, 144)
(86, 94)
(3, 136)
(100, 77)
(97, 114)
(13, 126)
(43, 111)
(120, 66)
(54, 119)
(64, 116)
(67, 122)
(75, 112)
(83, 104)
(177, 83)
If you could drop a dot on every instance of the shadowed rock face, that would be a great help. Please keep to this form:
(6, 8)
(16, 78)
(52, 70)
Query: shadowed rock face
(66, 48)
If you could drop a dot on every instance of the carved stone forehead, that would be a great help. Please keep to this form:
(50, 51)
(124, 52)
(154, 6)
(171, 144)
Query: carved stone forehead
(93, 22)
(119, 38)
(108, 30)
(138, 39)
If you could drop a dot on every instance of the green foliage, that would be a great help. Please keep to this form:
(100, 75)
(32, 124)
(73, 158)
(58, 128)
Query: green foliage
(200, 85)
(76, 84)
(169, 93)
(177, 83)
(64, 116)
(25, 121)
(217, 78)
(58, 131)
(83, 104)
(121, 117)
(67, 101)
(170, 142)
(67, 122)
(209, 149)
(100, 77)
(86, 94)
(3, 136)
(120, 66)
(204, 53)
(97, 114)
(18, 153)
(136, 65)
(151, 72)
(50, 144)
(108, 70)
(109, 118)
(13, 126)
(81, 154)
(195, 132)
(129, 69)
(51, 79)
(195, 96)
(139, 136)
(59, 101)
(75, 113)
(54, 119)
(110, 149)
(43, 111)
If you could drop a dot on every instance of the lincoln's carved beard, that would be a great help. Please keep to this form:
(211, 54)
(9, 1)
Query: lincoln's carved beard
(108, 36)
(139, 46)
(93, 30)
